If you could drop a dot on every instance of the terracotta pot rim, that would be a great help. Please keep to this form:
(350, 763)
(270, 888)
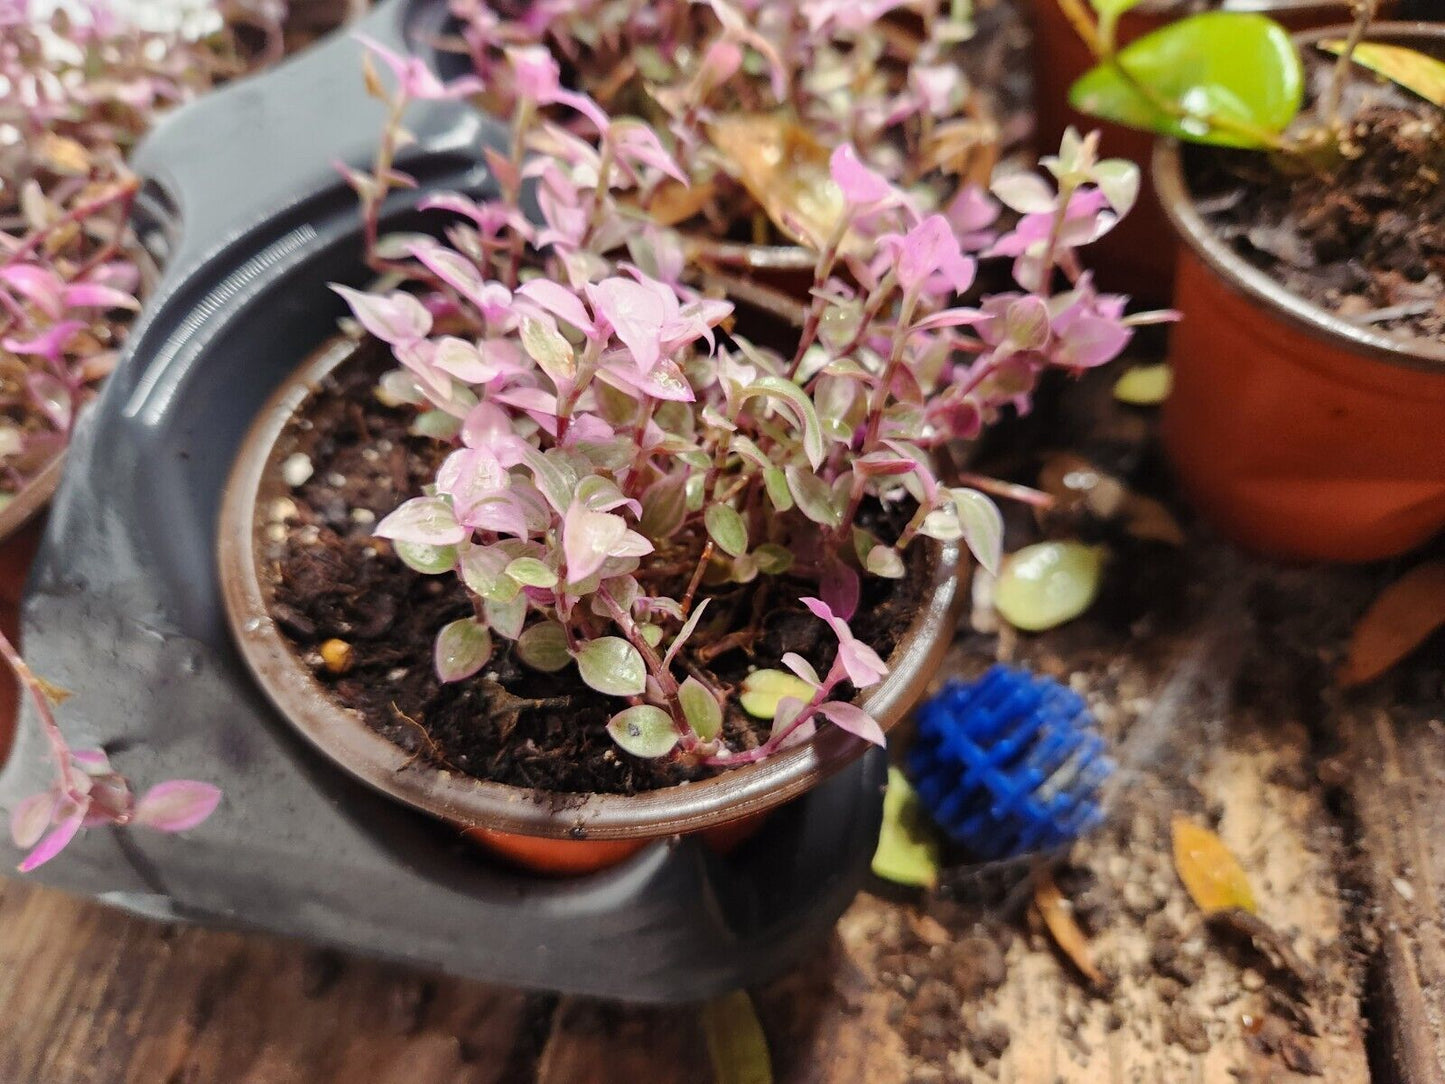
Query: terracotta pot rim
(32, 497)
(343, 736)
(1168, 177)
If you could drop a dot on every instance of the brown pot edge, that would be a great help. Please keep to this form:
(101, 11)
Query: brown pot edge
(31, 498)
(1167, 174)
(347, 741)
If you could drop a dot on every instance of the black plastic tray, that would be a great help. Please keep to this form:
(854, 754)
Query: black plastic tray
(123, 609)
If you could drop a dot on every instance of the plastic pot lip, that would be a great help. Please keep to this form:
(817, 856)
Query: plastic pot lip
(1167, 171)
(344, 737)
(30, 500)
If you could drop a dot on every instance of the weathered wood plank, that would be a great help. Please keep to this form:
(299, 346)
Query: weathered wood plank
(89, 995)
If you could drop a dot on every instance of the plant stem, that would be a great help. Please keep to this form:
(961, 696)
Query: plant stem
(59, 749)
(692, 585)
(1364, 15)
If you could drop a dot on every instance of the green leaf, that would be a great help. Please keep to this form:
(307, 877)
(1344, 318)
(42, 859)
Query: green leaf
(612, 666)
(664, 506)
(982, 525)
(907, 851)
(484, 571)
(1411, 69)
(506, 618)
(530, 572)
(727, 529)
(773, 559)
(885, 562)
(703, 712)
(814, 497)
(762, 689)
(437, 424)
(1238, 67)
(1047, 584)
(549, 349)
(644, 731)
(462, 648)
(431, 560)
(543, 647)
(776, 483)
(735, 1041)
(799, 405)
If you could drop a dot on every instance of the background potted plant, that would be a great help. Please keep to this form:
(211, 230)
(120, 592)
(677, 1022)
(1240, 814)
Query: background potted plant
(664, 545)
(1310, 381)
(1134, 259)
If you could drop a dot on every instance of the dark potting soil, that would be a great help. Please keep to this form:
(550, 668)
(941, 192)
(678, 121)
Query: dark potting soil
(332, 580)
(1365, 239)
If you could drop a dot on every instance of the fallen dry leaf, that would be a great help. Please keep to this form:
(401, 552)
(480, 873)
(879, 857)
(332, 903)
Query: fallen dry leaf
(1410, 68)
(54, 693)
(64, 155)
(673, 202)
(1397, 622)
(736, 1044)
(1058, 916)
(1210, 872)
(1147, 519)
(785, 169)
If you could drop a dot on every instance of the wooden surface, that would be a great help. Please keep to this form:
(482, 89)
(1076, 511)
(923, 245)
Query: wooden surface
(1203, 726)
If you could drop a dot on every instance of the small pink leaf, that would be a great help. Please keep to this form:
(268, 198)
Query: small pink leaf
(854, 720)
(30, 818)
(58, 839)
(176, 805)
(397, 318)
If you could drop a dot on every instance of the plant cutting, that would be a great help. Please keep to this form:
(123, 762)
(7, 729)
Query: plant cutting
(655, 544)
(1312, 267)
(78, 87)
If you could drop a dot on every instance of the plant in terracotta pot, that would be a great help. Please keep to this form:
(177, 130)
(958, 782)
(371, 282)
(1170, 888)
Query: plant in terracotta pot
(587, 554)
(1132, 258)
(1312, 268)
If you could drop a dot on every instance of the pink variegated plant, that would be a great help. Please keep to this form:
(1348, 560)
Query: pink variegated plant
(623, 453)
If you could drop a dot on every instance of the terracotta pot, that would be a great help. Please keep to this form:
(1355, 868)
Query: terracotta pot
(557, 833)
(1135, 258)
(17, 550)
(1300, 434)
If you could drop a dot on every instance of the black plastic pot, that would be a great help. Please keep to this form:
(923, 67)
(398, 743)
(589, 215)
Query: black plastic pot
(124, 610)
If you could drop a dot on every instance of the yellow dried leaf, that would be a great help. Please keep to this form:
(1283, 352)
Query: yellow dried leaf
(54, 693)
(1145, 385)
(1146, 518)
(673, 202)
(785, 169)
(64, 155)
(736, 1044)
(1397, 622)
(1411, 69)
(1058, 916)
(1211, 874)
(907, 851)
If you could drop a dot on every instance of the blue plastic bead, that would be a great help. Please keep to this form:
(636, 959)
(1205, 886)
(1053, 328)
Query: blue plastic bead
(1009, 764)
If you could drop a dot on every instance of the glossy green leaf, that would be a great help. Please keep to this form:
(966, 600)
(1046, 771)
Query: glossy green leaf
(762, 689)
(1047, 584)
(791, 397)
(726, 527)
(612, 666)
(644, 731)
(1240, 68)
(814, 497)
(907, 851)
(703, 712)
(462, 648)
(530, 572)
(429, 560)
(543, 647)
(776, 483)
(736, 1044)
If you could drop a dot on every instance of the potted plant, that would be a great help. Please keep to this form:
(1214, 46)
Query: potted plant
(661, 560)
(1134, 258)
(1309, 383)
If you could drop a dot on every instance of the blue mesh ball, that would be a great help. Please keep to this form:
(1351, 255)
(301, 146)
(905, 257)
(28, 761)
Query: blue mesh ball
(1010, 763)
